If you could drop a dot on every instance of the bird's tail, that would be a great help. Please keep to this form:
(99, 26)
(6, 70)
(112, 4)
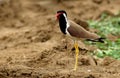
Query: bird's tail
(97, 40)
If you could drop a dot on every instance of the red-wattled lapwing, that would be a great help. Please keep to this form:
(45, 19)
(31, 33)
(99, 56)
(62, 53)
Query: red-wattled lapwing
(75, 31)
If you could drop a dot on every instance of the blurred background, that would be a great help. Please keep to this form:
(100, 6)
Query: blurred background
(32, 46)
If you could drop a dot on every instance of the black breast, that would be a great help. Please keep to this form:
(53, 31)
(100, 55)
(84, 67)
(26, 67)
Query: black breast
(62, 24)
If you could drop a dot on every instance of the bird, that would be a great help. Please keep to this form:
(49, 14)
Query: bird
(75, 32)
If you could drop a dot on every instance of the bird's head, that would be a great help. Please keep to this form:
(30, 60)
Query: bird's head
(60, 13)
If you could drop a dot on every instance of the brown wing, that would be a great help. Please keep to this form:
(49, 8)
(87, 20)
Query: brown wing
(76, 30)
(82, 23)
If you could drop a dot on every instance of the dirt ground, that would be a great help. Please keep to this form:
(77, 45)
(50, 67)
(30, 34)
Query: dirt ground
(32, 46)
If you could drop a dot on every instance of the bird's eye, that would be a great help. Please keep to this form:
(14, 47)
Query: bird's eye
(58, 15)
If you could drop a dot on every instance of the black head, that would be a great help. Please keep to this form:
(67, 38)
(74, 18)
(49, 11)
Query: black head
(60, 12)
(62, 18)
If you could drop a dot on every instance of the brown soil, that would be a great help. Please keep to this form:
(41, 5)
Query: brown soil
(32, 46)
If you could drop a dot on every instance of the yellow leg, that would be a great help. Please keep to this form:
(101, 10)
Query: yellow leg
(77, 52)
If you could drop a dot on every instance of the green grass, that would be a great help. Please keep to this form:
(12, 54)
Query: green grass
(108, 25)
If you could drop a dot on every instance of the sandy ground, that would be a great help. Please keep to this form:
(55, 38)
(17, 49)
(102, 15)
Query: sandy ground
(32, 46)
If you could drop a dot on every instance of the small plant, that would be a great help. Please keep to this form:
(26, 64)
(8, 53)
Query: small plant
(107, 26)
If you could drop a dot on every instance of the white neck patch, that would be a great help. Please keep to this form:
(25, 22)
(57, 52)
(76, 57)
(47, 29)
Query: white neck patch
(66, 20)
(67, 23)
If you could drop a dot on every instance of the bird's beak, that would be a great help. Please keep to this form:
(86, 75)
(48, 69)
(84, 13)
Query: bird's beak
(57, 16)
